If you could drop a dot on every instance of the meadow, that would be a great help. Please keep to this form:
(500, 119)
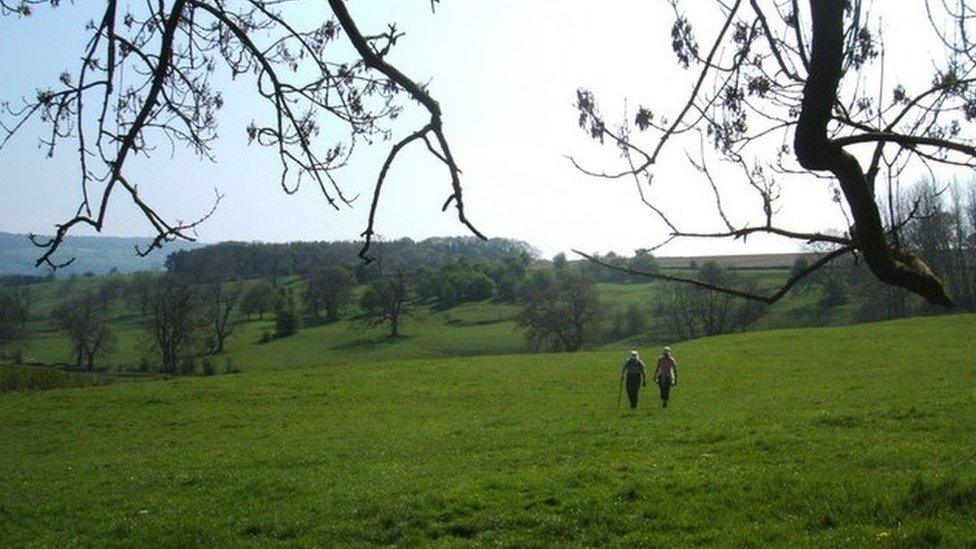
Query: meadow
(469, 329)
(841, 437)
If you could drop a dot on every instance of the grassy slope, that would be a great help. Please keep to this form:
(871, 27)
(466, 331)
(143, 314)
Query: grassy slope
(467, 330)
(826, 437)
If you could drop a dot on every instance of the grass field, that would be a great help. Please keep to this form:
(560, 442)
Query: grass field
(840, 437)
(470, 329)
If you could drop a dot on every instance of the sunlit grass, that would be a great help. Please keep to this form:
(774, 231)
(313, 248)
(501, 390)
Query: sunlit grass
(826, 437)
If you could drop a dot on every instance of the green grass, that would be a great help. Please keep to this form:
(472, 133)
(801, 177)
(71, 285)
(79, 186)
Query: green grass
(468, 330)
(817, 437)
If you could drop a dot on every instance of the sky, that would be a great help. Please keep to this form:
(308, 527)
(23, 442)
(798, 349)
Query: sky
(505, 73)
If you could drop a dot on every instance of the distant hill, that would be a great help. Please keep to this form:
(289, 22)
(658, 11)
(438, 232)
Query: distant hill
(100, 254)
(95, 254)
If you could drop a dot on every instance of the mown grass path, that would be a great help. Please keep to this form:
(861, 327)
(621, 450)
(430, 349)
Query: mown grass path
(822, 437)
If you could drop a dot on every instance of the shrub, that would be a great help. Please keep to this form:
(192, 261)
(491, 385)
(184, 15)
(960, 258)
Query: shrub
(208, 367)
(286, 316)
(230, 367)
(188, 366)
(30, 378)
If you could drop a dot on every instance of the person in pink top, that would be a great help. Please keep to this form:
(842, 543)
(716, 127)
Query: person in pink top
(666, 375)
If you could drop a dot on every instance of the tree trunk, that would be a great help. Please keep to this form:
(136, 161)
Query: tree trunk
(816, 152)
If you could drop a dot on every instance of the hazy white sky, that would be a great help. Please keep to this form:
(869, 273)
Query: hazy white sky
(505, 73)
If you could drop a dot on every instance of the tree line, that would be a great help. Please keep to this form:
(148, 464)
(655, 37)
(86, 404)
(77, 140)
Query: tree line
(187, 319)
(942, 225)
(242, 260)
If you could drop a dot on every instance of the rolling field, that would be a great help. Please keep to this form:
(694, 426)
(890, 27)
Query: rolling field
(469, 329)
(851, 436)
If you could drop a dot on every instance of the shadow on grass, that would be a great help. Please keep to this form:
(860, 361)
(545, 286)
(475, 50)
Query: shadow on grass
(370, 343)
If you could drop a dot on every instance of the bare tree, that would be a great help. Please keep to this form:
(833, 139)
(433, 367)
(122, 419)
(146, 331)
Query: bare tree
(219, 307)
(147, 77)
(84, 320)
(786, 89)
(559, 312)
(693, 311)
(173, 320)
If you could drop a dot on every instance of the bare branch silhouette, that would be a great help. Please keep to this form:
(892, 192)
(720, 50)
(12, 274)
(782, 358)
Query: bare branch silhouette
(778, 108)
(152, 74)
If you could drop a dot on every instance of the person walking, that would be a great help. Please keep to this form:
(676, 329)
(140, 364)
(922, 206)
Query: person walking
(666, 375)
(635, 376)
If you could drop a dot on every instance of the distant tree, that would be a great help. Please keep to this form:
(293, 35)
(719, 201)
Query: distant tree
(693, 311)
(876, 301)
(517, 264)
(385, 301)
(748, 311)
(85, 321)
(644, 262)
(67, 286)
(962, 228)
(943, 233)
(136, 288)
(329, 289)
(558, 313)
(219, 309)
(800, 265)
(111, 288)
(943, 230)
(636, 321)
(172, 320)
(368, 272)
(507, 288)
(427, 283)
(834, 292)
(24, 280)
(287, 320)
(472, 285)
(627, 321)
(258, 300)
(14, 313)
(713, 309)
(559, 261)
(448, 296)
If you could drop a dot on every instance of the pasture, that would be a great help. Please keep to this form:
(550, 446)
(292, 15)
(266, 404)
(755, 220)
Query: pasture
(815, 437)
(470, 329)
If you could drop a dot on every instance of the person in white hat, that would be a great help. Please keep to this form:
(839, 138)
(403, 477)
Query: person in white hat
(635, 375)
(666, 375)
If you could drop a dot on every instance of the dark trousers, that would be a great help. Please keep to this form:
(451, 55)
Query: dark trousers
(633, 388)
(665, 383)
